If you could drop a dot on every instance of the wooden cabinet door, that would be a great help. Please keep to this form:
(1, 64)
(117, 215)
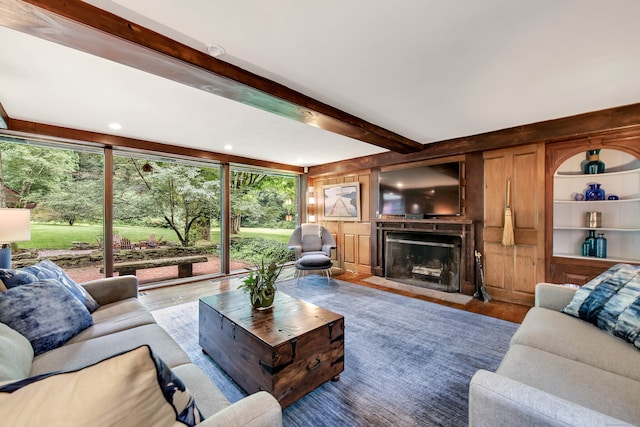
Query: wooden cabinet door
(512, 272)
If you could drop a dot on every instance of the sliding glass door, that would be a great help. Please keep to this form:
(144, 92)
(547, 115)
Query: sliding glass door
(262, 216)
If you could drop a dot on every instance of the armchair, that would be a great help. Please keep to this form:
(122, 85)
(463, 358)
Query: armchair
(312, 246)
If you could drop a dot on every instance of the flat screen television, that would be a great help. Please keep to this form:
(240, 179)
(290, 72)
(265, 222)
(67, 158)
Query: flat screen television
(421, 191)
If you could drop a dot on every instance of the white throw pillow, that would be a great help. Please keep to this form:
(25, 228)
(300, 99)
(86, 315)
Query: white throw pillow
(123, 390)
(16, 355)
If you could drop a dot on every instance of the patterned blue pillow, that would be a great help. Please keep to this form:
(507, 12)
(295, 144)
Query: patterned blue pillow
(611, 301)
(47, 269)
(13, 278)
(45, 312)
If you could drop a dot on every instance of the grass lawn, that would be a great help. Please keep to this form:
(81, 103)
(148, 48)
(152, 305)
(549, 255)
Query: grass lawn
(61, 236)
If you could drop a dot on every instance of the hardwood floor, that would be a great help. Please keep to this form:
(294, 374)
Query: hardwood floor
(155, 298)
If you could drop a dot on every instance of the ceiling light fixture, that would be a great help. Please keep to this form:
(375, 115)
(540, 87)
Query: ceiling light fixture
(228, 147)
(215, 50)
(115, 126)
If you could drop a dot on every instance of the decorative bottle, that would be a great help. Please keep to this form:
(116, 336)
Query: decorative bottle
(594, 192)
(590, 248)
(601, 246)
(594, 164)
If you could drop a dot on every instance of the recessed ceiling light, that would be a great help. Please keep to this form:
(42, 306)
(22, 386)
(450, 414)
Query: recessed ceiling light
(228, 147)
(115, 126)
(215, 50)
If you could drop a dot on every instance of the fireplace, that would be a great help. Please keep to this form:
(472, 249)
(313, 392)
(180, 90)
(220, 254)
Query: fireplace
(422, 259)
(430, 253)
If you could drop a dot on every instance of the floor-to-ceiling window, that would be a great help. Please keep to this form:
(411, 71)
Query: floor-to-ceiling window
(163, 209)
(62, 186)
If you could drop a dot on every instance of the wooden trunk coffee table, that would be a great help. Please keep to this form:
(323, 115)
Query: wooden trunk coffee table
(287, 350)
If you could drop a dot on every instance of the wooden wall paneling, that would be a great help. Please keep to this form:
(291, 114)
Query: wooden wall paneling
(513, 271)
(350, 246)
(357, 237)
(494, 267)
(364, 246)
(352, 238)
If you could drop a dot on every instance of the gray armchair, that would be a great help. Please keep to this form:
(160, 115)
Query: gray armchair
(312, 245)
(310, 239)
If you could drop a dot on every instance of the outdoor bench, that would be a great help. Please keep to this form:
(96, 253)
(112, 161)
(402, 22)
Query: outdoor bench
(185, 265)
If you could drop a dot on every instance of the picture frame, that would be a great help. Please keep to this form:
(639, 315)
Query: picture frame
(341, 202)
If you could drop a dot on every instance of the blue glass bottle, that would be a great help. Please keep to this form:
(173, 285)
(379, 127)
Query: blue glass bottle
(601, 246)
(590, 244)
(594, 192)
(594, 164)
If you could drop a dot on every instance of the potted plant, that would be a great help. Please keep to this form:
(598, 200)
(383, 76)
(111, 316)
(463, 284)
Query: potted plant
(261, 284)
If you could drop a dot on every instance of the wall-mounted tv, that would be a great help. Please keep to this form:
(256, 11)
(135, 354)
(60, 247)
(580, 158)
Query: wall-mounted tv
(421, 191)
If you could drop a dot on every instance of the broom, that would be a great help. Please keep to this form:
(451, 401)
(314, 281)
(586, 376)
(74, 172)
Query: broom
(507, 233)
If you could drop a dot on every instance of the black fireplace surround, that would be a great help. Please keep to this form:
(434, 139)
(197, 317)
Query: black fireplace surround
(433, 253)
(424, 259)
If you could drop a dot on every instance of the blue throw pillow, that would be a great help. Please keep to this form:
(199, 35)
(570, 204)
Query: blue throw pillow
(13, 278)
(611, 301)
(47, 269)
(45, 312)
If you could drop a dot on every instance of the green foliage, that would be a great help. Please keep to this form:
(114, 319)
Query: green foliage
(260, 200)
(34, 172)
(184, 198)
(261, 282)
(80, 200)
(259, 248)
(181, 196)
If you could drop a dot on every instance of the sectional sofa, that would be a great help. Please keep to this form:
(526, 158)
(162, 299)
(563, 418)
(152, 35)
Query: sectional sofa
(561, 370)
(120, 324)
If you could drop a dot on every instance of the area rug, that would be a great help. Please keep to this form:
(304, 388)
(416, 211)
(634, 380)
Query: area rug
(408, 362)
(455, 297)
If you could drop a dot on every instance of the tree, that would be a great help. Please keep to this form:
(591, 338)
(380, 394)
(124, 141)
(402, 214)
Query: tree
(34, 172)
(241, 184)
(80, 199)
(259, 199)
(183, 194)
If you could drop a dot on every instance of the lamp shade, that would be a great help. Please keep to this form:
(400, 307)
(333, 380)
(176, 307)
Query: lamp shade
(14, 225)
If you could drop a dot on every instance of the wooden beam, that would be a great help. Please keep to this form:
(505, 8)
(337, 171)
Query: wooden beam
(110, 141)
(81, 26)
(572, 127)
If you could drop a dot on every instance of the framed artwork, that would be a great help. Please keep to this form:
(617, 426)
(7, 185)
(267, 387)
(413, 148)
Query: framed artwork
(341, 202)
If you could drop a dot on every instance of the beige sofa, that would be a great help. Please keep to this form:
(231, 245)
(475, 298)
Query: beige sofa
(559, 371)
(123, 323)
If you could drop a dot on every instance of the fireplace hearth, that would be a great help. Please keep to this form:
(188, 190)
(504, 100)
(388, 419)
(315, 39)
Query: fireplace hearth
(422, 259)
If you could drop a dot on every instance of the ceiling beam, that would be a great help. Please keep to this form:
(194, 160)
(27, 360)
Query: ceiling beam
(618, 119)
(81, 26)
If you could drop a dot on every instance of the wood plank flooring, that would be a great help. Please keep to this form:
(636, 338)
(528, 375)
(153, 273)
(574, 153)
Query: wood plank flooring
(155, 298)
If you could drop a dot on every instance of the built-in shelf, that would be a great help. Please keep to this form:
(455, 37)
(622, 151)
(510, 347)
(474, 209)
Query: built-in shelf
(596, 202)
(571, 175)
(597, 229)
(590, 258)
(620, 219)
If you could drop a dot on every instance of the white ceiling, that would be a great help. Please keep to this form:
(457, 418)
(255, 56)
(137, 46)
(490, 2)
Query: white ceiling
(429, 70)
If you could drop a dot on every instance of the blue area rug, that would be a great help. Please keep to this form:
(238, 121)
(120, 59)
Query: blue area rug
(407, 362)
